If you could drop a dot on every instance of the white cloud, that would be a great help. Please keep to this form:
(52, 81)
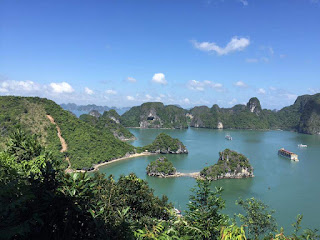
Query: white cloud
(236, 44)
(111, 92)
(241, 84)
(149, 97)
(202, 85)
(186, 100)
(88, 91)
(131, 79)
(244, 2)
(19, 86)
(130, 98)
(159, 78)
(265, 59)
(62, 87)
(282, 55)
(261, 91)
(233, 101)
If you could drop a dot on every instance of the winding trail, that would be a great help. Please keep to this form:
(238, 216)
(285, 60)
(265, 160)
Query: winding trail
(64, 145)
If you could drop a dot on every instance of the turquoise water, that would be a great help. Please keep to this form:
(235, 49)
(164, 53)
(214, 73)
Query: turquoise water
(288, 187)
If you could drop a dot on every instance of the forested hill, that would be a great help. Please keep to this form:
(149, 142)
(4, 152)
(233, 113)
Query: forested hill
(155, 115)
(110, 122)
(303, 116)
(86, 144)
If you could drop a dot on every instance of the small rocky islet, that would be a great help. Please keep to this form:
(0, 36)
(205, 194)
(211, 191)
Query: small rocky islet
(230, 165)
(161, 167)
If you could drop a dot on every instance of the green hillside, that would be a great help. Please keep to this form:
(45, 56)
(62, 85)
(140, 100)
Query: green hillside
(110, 123)
(155, 115)
(86, 144)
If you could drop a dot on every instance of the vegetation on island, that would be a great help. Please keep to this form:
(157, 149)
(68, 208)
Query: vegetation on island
(303, 116)
(109, 122)
(38, 200)
(230, 165)
(165, 144)
(155, 115)
(161, 167)
(86, 144)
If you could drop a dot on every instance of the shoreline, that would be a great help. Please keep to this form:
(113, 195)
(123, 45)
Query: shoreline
(96, 166)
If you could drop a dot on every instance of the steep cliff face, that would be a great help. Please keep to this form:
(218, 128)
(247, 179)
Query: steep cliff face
(254, 106)
(155, 115)
(310, 118)
(230, 165)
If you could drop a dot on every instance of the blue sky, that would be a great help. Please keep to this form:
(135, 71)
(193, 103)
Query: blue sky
(123, 53)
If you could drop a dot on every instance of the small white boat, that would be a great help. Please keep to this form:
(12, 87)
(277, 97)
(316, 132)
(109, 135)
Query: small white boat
(228, 137)
(302, 145)
(177, 211)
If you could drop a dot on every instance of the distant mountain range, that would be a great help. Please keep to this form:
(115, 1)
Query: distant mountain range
(85, 109)
(303, 116)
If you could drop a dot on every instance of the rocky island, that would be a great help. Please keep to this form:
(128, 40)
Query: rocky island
(230, 165)
(165, 144)
(161, 167)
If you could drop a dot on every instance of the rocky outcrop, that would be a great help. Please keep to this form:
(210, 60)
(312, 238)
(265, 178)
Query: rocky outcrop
(165, 144)
(310, 118)
(95, 113)
(230, 165)
(162, 167)
(155, 115)
(254, 106)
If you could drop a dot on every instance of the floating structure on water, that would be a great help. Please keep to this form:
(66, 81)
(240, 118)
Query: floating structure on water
(228, 137)
(287, 154)
(178, 212)
(302, 145)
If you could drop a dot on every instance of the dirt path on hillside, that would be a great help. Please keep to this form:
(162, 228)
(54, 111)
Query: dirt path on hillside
(64, 145)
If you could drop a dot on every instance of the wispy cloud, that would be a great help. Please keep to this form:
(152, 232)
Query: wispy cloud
(130, 98)
(202, 85)
(111, 92)
(88, 91)
(261, 91)
(244, 2)
(240, 84)
(235, 44)
(131, 79)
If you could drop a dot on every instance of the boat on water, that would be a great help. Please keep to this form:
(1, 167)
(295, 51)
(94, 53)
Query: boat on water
(177, 211)
(302, 145)
(228, 137)
(287, 154)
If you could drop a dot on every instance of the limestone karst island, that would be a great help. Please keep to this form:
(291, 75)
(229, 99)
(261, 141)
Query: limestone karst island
(162, 119)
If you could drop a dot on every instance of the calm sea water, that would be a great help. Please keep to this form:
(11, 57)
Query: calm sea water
(288, 187)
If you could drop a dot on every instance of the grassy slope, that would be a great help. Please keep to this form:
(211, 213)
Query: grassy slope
(86, 145)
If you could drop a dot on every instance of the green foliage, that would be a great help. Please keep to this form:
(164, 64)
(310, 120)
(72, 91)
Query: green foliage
(302, 116)
(232, 232)
(258, 218)
(108, 122)
(170, 116)
(229, 162)
(205, 211)
(165, 144)
(86, 144)
(160, 167)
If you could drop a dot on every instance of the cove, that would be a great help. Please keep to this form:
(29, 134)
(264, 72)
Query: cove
(290, 188)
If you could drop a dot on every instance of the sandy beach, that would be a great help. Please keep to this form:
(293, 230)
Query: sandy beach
(96, 166)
